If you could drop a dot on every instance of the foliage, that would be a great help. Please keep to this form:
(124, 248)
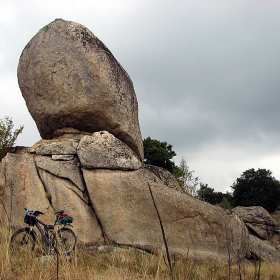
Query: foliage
(257, 188)
(158, 153)
(276, 217)
(186, 179)
(7, 136)
(209, 195)
(225, 203)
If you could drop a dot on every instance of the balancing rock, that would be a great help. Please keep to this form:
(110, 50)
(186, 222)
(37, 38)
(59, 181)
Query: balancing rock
(70, 79)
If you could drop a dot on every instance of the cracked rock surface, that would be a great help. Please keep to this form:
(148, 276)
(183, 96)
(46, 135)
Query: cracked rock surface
(110, 199)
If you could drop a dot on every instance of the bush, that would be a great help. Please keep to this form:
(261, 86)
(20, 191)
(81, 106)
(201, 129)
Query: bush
(257, 188)
(7, 136)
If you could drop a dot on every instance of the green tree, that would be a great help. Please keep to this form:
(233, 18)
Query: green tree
(209, 195)
(7, 136)
(225, 203)
(186, 178)
(158, 153)
(257, 188)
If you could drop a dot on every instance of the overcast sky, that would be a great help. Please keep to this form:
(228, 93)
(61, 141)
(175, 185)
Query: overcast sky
(206, 74)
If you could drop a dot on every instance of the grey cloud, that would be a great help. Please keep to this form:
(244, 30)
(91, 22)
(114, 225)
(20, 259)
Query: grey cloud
(206, 74)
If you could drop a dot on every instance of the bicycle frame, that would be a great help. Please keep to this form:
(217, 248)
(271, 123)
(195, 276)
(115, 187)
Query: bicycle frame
(41, 230)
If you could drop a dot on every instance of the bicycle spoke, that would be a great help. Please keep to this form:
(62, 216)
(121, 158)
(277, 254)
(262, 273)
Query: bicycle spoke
(66, 240)
(22, 242)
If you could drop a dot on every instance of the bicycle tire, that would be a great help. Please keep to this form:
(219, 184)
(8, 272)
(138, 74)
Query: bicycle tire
(22, 241)
(52, 242)
(66, 240)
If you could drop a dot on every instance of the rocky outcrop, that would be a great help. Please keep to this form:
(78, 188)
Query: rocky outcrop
(264, 232)
(69, 79)
(115, 205)
(263, 249)
(259, 222)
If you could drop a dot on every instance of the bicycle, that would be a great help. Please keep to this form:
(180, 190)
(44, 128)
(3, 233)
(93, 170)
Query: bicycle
(64, 239)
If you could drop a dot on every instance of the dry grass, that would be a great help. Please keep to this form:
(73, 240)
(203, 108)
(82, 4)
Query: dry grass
(276, 217)
(86, 264)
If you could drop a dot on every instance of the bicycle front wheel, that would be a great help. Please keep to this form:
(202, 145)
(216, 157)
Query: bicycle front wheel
(22, 242)
(66, 240)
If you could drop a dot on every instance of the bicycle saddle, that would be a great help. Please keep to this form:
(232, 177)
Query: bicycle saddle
(59, 212)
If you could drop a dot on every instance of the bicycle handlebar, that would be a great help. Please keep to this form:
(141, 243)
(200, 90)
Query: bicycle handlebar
(37, 212)
(33, 213)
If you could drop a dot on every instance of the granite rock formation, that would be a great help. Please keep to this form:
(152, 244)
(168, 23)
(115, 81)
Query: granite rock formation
(114, 204)
(264, 233)
(69, 78)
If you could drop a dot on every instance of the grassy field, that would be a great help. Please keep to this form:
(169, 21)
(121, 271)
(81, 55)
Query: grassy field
(87, 264)
(276, 217)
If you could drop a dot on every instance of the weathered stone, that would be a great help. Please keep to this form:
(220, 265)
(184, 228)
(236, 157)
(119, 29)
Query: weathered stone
(259, 222)
(66, 169)
(62, 195)
(68, 133)
(22, 189)
(55, 147)
(63, 157)
(22, 185)
(66, 130)
(264, 250)
(166, 177)
(69, 78)
(124, 206)
(103, 150)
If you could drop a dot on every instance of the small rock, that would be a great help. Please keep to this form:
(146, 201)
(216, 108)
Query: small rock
(103, 150)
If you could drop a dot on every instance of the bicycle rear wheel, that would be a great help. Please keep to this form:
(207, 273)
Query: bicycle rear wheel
(52, 242)
(22, 242)
(66, 240)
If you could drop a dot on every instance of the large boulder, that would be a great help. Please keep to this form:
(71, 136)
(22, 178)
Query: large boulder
(263, 250)
(103, 150)
(264, 232)
(124, 205)
(69, 79)
(259, 223)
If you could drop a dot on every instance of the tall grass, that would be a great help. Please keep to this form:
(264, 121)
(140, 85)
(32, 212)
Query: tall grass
(86, 264)
(276, 217)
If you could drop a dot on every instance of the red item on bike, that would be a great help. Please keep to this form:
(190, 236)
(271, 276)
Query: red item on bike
(65, 219)
(61, 216)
